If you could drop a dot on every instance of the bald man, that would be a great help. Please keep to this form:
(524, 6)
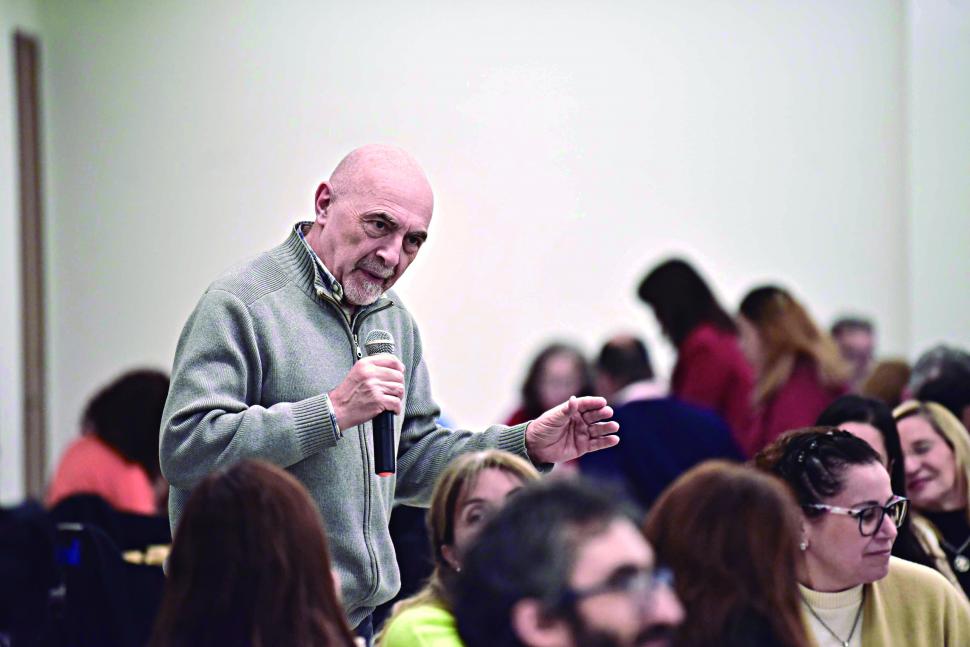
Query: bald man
(269, 366)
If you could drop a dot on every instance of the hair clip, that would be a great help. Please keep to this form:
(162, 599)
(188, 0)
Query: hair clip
(811, 447)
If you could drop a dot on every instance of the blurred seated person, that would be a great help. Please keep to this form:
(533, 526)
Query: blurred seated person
(730, 534)
(945, 379)
(470, 490)
(250, 565)
(563, 564)
(856, 339)
(799, 369)
(887, 382)
(116, 456)
(854, 592)
(937, 452)
(872, 421)
(558, 372)
(661, 437)
(711, 370)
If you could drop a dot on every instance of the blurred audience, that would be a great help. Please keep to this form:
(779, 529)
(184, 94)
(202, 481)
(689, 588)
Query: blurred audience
(710, 371)
(872, 421)
(558, 372)
(116, 456)
(563, 564)
(661, 437)
(730, 534)
(853, 591)
(887, 382)
(28, 575)
(856, 339)
(467, 494)
(942, 375)
(799, 369)
(937, 452)
(250, 565)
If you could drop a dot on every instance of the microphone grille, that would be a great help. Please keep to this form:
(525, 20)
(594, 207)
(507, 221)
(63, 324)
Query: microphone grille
(379, 341)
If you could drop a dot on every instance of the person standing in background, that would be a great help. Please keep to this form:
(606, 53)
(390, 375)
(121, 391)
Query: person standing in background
(856, 339)
(799, 369)
(711, 370)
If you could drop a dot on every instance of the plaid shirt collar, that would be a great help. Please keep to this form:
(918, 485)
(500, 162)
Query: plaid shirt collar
(323, 275)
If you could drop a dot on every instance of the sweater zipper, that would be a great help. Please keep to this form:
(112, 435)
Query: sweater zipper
(350, 328)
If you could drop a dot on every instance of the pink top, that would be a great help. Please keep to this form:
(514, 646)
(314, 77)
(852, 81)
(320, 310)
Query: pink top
(712, 372)
(796, 404)
(89, 466)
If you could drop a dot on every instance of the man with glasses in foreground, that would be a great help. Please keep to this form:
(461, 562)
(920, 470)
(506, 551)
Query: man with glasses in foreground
(564, 565)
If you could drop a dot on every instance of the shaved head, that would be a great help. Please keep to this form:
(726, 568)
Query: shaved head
(372, 217)
(378, 169)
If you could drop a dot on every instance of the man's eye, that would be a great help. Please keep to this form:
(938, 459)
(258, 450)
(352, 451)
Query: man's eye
(414, 242)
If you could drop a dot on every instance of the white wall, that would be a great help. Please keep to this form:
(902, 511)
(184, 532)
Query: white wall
(14, 15)
(571, 145)
(939, 169)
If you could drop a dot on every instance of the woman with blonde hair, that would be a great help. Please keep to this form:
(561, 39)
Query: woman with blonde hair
(467, 493)
(798, 366)
(936, 448)
(730, 534)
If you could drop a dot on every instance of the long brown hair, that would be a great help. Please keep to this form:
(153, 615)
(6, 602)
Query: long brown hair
(250, 566)
(730, 534)
(787, 332)
(457, 479)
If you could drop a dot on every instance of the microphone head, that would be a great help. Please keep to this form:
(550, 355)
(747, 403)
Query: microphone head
(379, 341)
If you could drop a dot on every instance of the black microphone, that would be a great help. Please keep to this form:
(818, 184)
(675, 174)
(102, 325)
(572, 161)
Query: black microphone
(380, 341)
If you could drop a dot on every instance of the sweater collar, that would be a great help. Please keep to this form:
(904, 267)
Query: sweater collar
(300, 261)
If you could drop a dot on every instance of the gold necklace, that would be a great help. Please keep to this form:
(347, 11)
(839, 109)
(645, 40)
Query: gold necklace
(855, 623)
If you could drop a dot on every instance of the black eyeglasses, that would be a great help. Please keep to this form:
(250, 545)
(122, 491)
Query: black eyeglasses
(870, 517)
(630, 581)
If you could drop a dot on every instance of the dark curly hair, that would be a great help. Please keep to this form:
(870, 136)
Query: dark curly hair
(813, 462)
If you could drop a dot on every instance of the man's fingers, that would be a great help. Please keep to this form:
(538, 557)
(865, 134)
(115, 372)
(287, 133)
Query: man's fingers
(384, 360)
(603, 442)
(601, 429)
(590, 403)
(603, 413)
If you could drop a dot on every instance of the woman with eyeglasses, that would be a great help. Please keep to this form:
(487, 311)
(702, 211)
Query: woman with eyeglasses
(467, 493)
(731, 535)
(937, 465)
(854, 593)
(872, 421)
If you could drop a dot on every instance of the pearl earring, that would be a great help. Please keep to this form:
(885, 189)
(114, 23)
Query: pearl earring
(803, 546)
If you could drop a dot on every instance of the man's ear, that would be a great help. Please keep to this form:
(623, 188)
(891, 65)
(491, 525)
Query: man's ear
(535, 628)
(322, 201)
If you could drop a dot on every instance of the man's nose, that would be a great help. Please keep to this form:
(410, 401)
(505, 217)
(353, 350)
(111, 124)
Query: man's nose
(666, 608)
(390, 252)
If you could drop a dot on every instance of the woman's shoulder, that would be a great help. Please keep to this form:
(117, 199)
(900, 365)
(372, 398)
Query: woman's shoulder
(914, 581)
(425, 624)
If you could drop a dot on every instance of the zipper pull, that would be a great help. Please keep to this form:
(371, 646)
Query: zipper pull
(357, 347)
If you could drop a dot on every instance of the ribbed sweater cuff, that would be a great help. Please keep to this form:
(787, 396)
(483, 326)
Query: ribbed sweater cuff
(513, 440)
(314, 430)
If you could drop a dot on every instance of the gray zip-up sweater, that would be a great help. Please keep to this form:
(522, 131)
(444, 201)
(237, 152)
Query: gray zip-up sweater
(254, 363)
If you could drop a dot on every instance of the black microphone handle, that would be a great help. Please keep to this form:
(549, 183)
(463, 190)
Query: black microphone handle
(384, 443)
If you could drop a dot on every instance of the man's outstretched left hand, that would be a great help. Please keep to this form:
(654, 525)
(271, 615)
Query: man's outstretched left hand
(570, 430)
